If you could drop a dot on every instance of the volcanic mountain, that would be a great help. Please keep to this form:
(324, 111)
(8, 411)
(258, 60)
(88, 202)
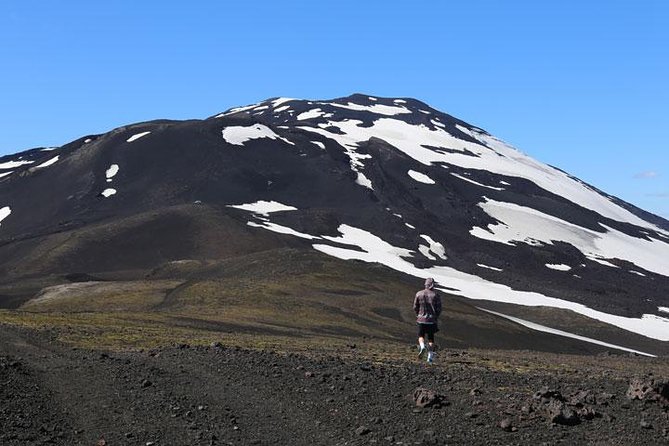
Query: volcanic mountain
(338, 208)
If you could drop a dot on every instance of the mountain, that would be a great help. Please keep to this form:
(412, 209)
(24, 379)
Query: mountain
(332, 205)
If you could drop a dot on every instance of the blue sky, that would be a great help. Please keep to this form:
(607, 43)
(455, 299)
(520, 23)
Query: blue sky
(582, 85)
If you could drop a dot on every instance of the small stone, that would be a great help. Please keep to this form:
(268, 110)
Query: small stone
(505, 424)
(646, 425)
(362, 430)
(146, 383)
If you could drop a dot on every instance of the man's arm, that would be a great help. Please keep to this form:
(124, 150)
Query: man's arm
(416, 307)
(437, 304)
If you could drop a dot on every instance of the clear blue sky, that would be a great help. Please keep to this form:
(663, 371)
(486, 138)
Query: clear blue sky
(582, 85)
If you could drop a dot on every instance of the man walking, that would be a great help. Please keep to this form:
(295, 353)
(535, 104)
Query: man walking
(427, 305)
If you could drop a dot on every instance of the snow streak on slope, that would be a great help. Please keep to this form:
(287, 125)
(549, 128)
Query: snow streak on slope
(519, 223)
(48, 163)
(14, 164)
(136, 136)
(543, 328)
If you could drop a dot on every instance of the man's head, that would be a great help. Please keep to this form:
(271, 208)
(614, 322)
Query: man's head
(429, 283)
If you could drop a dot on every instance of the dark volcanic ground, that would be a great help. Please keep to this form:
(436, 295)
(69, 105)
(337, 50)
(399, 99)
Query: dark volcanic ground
(182, 395)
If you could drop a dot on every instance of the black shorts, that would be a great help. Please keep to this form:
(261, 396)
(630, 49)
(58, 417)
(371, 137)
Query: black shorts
(427, 330)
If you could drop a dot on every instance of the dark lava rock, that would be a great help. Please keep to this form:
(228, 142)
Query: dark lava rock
(649, 389)
(559, 413)
(427, 398)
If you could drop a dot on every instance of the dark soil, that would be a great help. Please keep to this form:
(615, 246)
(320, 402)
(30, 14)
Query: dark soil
(183, 395)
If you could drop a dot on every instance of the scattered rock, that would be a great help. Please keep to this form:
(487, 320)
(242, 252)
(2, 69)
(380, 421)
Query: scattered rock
(427, 398)
(649, 389)
(646, 425)
(559, 413)
(362, 430)
(146, 383)
(505, 424)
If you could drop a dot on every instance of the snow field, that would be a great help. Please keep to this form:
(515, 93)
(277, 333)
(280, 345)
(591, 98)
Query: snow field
(519, 223)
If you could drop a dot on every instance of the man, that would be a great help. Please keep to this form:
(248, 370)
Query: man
(427, 305)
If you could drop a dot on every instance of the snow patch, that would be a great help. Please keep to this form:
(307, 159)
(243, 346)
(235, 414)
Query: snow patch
(49, 149)
(409, 226)
(48, 163)
(436, 247)
(310, 114)
(437, 123)
(279, 101)
(420, 177)
(663, 309)
(87, 140)
(544, 329)
(558, 266)
(108, 192)
(111, 172)
(136, 136)
(638, 273)
(6, 173)
(4, 213)
(263, 207)
(280, 109)
(14, 164)
(238, 135)
(425, 250)
(319, 144)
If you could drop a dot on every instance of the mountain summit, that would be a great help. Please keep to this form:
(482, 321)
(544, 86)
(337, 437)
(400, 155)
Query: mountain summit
(387, 181)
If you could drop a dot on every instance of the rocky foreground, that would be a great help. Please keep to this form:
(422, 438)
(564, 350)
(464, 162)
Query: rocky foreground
(221, 395)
